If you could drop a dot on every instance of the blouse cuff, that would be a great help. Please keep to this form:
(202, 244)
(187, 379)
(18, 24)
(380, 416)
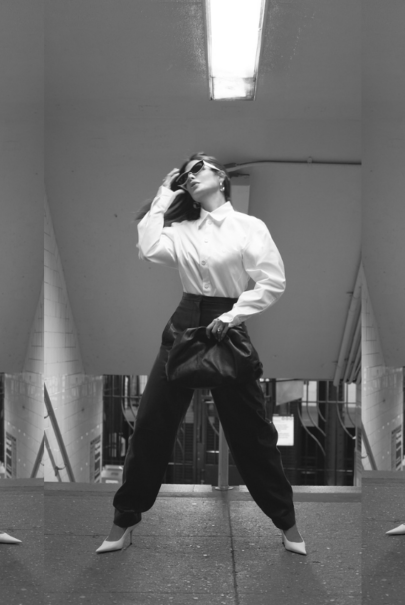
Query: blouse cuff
(163, 199)
(231, 318)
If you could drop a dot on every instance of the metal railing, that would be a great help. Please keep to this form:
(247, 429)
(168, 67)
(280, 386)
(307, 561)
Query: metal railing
(58, 435)
(223, 462)
(368, 449)
(38, 459)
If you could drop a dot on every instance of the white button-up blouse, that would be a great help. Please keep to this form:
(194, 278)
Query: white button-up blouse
(216, 255)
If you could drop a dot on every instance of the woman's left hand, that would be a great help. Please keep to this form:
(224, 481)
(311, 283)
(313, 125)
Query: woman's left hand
(218, 329)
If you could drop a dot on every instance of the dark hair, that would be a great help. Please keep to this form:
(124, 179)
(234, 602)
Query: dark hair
(184, 207)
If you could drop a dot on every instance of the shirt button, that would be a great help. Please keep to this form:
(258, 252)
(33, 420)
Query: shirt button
(203, 262)
(209, 222)
(206, 286)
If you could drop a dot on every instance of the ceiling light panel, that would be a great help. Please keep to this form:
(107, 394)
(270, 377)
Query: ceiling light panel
(234, 30)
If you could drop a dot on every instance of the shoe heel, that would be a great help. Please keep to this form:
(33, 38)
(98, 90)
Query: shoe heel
(130, 536)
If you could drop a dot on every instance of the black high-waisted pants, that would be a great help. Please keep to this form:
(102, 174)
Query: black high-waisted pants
(251, 438)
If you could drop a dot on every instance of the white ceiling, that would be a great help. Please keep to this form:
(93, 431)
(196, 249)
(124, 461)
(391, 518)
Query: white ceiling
(127, 98)
(148, 57)
(383, 59)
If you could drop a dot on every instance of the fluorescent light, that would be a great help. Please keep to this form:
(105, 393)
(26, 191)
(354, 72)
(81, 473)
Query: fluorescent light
(234, 29)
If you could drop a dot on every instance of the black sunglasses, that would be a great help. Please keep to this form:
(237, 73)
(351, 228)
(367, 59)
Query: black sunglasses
(198, 166)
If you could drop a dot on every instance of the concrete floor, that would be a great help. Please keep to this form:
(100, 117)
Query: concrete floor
(199, 545)
(383, 560)
(21, 565)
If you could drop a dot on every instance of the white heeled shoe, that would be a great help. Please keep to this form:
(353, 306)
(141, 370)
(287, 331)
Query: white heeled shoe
(297, 547)
(6, 539)
(108, 546)
(397, 531)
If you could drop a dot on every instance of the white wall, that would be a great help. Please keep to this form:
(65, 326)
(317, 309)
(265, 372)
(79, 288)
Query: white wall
(75, 396)
(21, 176)
(383, 188)
(382, 390)
(121, 304)
(313, 214)
(383, 241)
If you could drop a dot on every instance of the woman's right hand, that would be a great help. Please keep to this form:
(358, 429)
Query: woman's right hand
(169, 178)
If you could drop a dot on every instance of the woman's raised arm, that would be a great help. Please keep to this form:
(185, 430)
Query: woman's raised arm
(155, 242)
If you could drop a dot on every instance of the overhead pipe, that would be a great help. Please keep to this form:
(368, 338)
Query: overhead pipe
(349, 415)
(309, 432)
(356, 366)
(320, 413)
(354, 370)
(38, 459)
(351, 318)
(353, 349)
(234, 167)
(342, 423)
(312, 421)
(367, 446)
(52, 459)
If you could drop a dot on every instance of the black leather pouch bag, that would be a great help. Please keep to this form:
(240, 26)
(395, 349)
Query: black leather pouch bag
(196, 361)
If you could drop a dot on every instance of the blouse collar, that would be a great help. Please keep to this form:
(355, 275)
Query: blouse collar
(218, 215)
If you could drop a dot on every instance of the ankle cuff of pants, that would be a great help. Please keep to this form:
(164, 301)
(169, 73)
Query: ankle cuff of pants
(285, 523)
(126, 519)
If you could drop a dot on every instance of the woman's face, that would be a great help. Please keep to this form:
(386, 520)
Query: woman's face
(206, 182)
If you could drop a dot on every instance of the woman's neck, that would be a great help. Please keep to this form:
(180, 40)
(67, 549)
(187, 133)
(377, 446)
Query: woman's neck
(212, 202)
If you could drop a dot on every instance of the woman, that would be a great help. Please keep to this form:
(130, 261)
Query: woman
(216, 250)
